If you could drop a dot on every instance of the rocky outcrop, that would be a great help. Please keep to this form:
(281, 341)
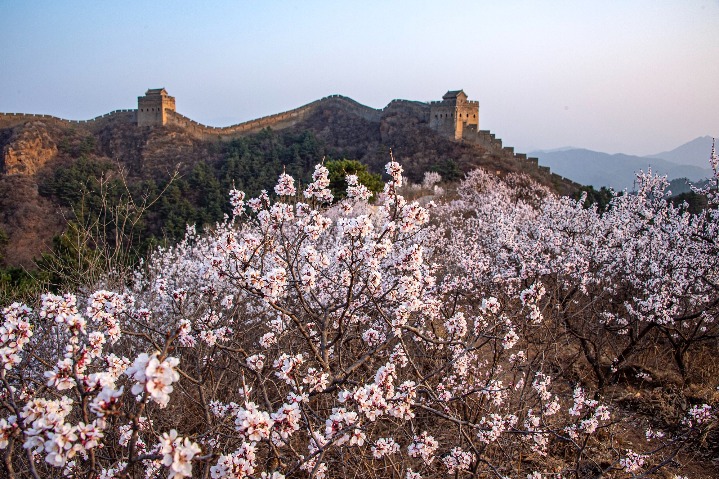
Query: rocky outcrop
(29, 220)
(28, 150)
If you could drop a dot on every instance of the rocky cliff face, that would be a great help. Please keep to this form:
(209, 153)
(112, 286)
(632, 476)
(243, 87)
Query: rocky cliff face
(29, 220)
(151, 152)
(28, 149)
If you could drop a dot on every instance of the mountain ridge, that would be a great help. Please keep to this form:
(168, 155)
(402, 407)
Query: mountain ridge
(694, 152)
(41, 150)
(618, 170)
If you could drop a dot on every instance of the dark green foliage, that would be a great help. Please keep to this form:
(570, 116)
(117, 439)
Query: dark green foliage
(87, 145)
(339, 169)
(682, 192)
(680, 185)
(196, 199)
(75, 145)
(600, 197)
(254, 163)
(449, 170)
(90, 187)
(175, 210)
(17, 284)
(696, 203)
(70, 184)
(207, 194)
(75, 257)
(105, 227)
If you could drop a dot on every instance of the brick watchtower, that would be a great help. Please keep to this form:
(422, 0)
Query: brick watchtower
(151, 108)
(454, 114)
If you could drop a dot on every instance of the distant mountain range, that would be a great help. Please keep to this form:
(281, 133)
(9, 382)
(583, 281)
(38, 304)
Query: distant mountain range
(690, 160)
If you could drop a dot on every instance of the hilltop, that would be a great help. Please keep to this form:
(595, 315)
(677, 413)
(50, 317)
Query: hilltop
(44, 158)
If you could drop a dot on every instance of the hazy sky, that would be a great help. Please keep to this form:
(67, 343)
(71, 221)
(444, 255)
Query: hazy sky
(632, 76)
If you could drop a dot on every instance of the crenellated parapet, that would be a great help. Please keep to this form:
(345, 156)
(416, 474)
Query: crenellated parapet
(9, 120)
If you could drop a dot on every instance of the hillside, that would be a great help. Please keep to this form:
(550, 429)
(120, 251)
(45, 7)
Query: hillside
(51, 166)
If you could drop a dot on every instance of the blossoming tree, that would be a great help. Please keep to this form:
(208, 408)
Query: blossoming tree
(307, 339)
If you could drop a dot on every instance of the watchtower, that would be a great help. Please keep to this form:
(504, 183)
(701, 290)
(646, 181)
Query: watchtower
(152, 108)
(454, 114)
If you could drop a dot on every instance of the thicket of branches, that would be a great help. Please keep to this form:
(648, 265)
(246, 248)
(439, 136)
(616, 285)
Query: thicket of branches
(480, 337)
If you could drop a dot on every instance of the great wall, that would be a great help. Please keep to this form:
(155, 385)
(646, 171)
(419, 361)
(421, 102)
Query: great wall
(453, 116)
(277, 121)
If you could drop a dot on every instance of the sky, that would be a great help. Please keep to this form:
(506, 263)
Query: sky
(636, 77)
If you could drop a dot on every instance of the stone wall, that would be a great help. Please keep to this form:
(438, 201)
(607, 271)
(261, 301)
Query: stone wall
(9, 120)
(277, 121)
(442, 118)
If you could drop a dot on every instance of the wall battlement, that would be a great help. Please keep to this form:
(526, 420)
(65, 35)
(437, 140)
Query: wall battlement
(449, 102)
(8, 120)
